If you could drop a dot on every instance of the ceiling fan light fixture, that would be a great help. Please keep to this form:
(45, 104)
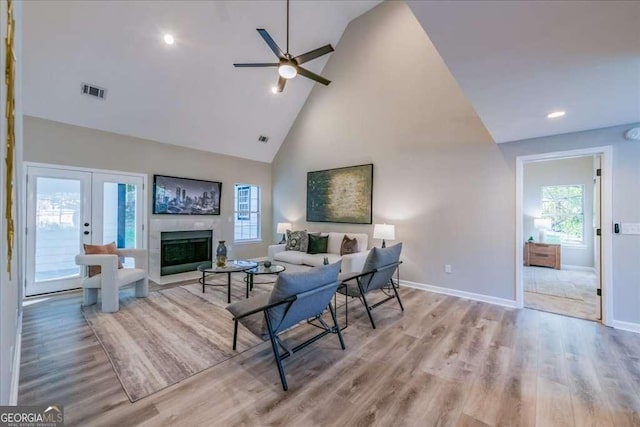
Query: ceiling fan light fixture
(287, 71)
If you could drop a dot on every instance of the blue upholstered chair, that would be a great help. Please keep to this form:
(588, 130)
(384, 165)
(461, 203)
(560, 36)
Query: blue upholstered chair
(295, 297)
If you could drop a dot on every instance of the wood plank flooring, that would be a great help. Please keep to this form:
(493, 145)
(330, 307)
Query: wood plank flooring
(445, 361)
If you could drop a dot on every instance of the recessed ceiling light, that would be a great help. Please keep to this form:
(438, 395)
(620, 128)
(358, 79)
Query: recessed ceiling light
(168, 39)
(274, 89)
(556, 114)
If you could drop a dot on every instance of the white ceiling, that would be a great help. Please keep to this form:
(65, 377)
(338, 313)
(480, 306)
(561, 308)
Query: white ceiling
(516, 61)
(187, 94)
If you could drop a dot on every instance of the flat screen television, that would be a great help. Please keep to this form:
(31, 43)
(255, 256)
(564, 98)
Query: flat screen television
(185, 196)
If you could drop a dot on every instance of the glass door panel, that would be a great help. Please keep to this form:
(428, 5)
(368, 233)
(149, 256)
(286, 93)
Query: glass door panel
(57, 213)
(121, 214)
(67, 208)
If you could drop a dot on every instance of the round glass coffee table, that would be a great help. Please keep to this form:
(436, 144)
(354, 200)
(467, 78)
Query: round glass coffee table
(261, 269)
(232, 266)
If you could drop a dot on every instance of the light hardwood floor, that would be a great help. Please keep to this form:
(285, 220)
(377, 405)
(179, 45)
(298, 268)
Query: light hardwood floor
(444, 361)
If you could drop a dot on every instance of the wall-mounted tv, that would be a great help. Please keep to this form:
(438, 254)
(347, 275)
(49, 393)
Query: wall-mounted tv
(184, 196)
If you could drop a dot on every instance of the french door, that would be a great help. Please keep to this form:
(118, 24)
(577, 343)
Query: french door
(67, 208)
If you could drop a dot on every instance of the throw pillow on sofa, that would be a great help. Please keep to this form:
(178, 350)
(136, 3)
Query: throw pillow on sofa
(297, 240)
(109, 249)
(317, 244)
(349, 246)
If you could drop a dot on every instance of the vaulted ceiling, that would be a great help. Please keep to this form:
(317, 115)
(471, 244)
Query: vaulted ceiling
(186, 94)
(515, 61)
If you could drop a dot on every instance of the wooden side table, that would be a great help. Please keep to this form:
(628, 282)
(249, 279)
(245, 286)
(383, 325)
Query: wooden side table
(542, 254)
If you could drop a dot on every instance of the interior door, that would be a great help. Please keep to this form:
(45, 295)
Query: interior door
(597, 215)
(58, 223)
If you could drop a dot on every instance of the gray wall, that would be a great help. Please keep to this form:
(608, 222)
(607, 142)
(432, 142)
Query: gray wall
(438, 176)
(57, 143)
(10, 289)
(625, 200)
(575, 171)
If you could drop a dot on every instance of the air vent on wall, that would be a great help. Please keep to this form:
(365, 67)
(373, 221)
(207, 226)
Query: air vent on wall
(263, 139)
(92, 90)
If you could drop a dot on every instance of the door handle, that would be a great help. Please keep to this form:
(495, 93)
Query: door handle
(86, 232)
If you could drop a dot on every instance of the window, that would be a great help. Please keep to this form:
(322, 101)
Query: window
(247, 213)
(564, 206)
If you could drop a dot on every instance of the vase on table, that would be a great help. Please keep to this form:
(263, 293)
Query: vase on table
(221, 254)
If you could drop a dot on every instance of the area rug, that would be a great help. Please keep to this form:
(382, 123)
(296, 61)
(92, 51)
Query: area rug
(160, 340)
(572, 284)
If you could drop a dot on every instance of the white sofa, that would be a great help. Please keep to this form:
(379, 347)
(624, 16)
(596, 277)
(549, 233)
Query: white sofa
(351, 263)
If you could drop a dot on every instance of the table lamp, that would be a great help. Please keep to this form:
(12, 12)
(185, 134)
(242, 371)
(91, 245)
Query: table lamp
(542, 224)
(384, 231)
(282, 228)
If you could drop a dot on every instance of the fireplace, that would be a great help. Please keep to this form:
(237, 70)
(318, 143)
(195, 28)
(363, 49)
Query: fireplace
(182, 251)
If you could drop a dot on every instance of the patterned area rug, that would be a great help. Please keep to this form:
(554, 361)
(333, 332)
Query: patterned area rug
(173, 334)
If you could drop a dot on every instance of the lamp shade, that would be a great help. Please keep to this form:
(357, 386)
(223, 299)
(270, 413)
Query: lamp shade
(283, 227)
(542, 223)
(384, 231)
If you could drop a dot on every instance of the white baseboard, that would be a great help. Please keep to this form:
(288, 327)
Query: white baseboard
(626, 326)
(462, 294)
(15, 374)
(577, 268)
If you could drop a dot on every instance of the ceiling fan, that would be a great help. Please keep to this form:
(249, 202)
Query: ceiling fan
(289, 66)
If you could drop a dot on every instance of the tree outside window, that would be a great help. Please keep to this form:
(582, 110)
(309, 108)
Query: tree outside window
(564, 206)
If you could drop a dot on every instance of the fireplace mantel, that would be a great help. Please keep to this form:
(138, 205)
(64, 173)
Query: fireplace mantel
(159, 224)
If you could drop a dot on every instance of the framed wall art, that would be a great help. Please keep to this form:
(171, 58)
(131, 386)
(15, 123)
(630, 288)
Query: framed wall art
(184, 196)
(340, 195)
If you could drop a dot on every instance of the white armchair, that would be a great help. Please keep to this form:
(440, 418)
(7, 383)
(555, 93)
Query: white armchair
(111, 279)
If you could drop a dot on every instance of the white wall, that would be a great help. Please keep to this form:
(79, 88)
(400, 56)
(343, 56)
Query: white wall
(62, 144)
(575, 171)
(438, 176)
(10, 290)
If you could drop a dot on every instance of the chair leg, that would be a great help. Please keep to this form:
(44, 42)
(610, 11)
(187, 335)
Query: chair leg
(335, 323)
(142, 288)
(397, 296)
(276, 352)
(235, 333)
(110, 302)
(90, 296)
(366, 306)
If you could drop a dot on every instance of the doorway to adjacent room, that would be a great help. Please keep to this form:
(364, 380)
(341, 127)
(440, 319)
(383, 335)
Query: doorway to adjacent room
(562, 201)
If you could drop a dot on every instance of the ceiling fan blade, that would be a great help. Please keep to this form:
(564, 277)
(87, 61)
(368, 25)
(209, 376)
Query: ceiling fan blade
(258, 64)
(313, 76)
(281, 83)
(313, 54)
(272, 44)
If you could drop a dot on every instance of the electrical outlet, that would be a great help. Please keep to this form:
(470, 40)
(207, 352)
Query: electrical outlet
(447, 268)
(630, 228)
